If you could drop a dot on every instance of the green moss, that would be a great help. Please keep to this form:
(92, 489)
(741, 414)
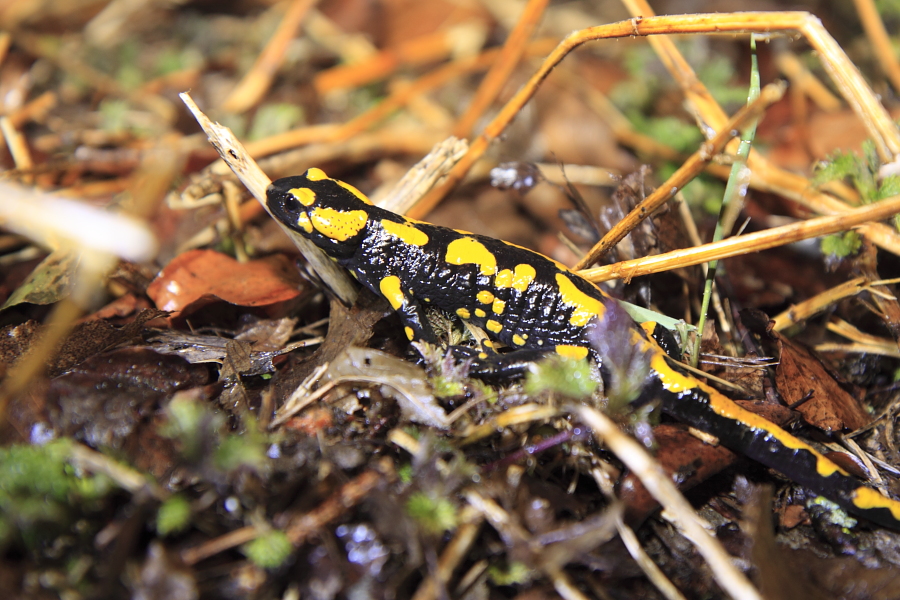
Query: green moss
(40, 490)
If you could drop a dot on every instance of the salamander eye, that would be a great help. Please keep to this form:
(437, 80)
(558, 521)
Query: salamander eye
(291, 204)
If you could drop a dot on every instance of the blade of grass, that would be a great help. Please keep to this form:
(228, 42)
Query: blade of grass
(735, 191)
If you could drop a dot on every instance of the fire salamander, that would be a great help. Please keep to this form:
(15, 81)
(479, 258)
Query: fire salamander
(536, 305)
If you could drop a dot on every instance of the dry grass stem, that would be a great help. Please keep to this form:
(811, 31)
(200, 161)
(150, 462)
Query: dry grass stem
(685, 173)
(753, 242)
(251, 89)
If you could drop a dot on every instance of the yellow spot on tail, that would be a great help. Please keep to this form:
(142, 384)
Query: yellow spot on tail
(305, 196)
(409, 333)
(480, 313)
(362, 197)
(576, 352)
(482, 355)
(304, 223)
(390, 289)
(498, 306)
(518, 340)
(485, 297)
(675, 382)
(338, 225)
(405, 232)
(493, 326)
(468, 250)
(585, 307)
(463, 313)
(867, 498)
(316, 174)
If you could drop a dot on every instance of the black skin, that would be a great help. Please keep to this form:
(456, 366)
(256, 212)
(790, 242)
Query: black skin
(537, 318)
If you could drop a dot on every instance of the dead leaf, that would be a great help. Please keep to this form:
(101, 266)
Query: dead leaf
(200, 277)
(801, 375)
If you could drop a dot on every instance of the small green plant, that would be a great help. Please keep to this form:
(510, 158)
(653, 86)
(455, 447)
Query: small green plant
(862, 171)
(841, 245)
(271, 119)
(512, 574)
(173, 516)
(269, 550)
(199, 432)
(434, 515)
(564, 376)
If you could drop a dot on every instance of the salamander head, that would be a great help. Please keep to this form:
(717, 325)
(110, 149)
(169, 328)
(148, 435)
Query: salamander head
(331, 213)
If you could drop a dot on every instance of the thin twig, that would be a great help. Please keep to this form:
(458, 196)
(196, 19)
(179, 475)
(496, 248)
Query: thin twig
(499, 73)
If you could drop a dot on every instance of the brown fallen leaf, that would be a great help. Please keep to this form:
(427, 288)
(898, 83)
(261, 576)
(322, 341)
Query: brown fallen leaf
(198, 278)
(800, 375)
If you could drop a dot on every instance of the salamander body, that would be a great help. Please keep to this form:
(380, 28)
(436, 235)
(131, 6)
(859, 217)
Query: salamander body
(537, 306)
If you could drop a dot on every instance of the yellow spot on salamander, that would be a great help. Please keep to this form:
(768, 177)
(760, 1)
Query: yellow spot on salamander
(405, 232)
(676, 383)
(304, 223)
(519, 279)
(482, 355)
(316, 174)
(390, 289)
(463, 313)
(522, 277)
(485, 297)
(576, 352)
(493, 326)
(338, 225)
(518, 340)
(480, 313)
(585, 307)
(409, 333)
(468, 250)
(867, 498)
(304, 196)
(362, 197)
(498, 306)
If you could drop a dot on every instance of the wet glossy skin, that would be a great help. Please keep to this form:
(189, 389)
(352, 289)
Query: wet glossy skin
(534, 304)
